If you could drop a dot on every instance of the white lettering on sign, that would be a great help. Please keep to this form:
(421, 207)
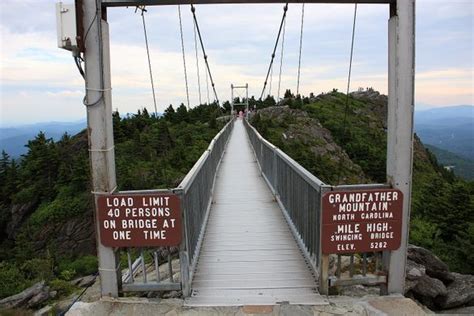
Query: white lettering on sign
(119, 201)
(139, 223)
(363, 207)
(343, 217)
(358, 197)
(348, 228)
(345, 247)
(377, 227)
(147, 212)
(154, 234)
(109, 224)
(156, 201)
(121, 235)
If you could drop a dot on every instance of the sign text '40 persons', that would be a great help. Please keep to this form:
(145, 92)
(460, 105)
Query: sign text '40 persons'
(139, 220)
(362, 221)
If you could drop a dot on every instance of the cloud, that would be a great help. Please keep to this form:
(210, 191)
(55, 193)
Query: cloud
(66, 94)
(38, 80)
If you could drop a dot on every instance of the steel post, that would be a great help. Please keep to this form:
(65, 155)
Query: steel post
(232, 99)
(401, 72)
(247, 98)
(99, 123)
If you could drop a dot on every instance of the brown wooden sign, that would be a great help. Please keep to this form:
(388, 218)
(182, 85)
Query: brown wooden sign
(139, 220)
(362, 221)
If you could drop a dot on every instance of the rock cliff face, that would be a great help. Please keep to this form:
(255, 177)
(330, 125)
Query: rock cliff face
(69, 237)
(74, 237)
(293, 128)
(19, 213)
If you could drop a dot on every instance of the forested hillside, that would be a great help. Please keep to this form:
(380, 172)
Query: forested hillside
(46, 215)
(46, 209)
(442, 217)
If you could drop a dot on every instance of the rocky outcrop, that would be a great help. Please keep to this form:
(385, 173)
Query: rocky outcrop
(74, 237)
(85, 281)
(460, 292)
(434, 266)
(19, 212)
(300, 128)
(32, 297)
(429, 281)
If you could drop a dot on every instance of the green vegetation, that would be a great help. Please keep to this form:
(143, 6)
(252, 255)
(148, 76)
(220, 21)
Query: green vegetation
(46, 216)
(442, 217)
(462, 167)
(45, 196)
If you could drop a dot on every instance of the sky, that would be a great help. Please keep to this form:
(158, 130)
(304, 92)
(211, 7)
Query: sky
(40, 82)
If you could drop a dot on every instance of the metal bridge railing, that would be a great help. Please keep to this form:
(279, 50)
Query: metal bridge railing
(196, 190)
(299, 194)
(297, 191)
(150, 269)
(154, 269)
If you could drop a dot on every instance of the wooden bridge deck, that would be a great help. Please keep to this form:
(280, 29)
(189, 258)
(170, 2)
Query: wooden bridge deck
(248, 254)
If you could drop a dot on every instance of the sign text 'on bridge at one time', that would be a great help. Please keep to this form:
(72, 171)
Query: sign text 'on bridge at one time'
(362, 221)
(139, 220)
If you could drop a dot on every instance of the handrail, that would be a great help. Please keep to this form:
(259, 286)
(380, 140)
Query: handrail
(308, 176)
(188, 179)
(196, 190)
(299, 194)
(297, 191)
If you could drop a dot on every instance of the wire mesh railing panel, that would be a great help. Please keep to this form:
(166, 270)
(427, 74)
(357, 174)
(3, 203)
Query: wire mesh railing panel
(197, 189)
(297, 191)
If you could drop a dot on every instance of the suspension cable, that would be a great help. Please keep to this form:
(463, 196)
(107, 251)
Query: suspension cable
(301, 47)
(348, 87)
(197, 65)
(281, 57)
(271, 79)
(142, 8)
(184, 55)
(285, 8)
(207, 88)
(193, 10)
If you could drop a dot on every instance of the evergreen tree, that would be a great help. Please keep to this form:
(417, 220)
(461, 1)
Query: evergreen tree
(170, 114)
(181, 114)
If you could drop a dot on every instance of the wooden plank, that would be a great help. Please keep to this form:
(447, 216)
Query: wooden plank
(206, 297)
(254, 284)
(252, 276)
(151, 286)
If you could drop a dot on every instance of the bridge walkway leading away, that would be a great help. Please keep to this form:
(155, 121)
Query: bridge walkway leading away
(248, 254)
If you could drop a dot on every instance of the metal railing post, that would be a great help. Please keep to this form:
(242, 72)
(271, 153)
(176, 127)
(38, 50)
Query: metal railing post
(323, 258)
(183, 250)
(275, 172)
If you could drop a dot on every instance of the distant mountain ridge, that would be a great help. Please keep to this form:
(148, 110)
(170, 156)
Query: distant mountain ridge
(14, 139)
(449, 128)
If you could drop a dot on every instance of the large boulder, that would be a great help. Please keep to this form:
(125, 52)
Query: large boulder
(435, 268)
(414, 272)
(459, 293)
(429, 290)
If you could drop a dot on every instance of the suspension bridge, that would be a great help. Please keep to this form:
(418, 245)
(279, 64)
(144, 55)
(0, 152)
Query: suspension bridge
(252, 216)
